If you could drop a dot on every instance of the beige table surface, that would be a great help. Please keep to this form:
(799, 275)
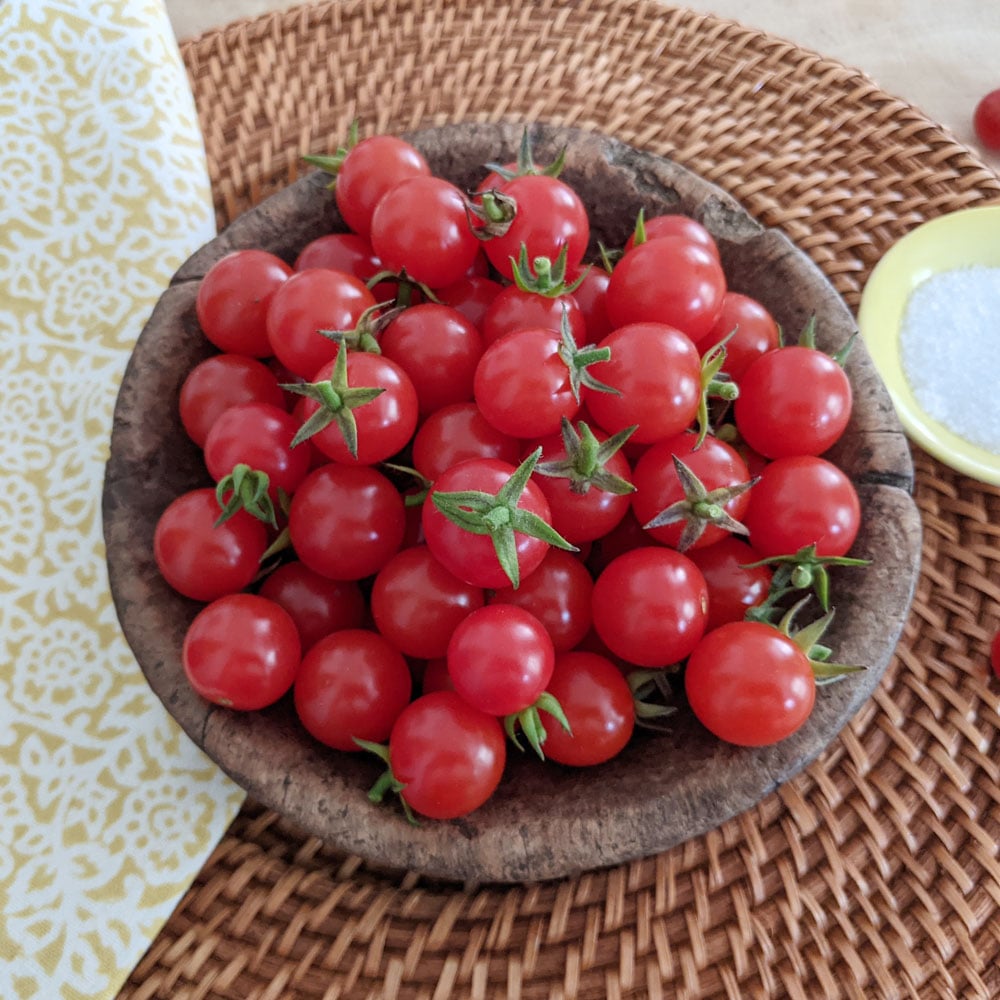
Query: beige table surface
(940, 57)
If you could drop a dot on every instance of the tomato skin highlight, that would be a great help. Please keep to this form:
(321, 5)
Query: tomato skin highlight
(598, 704)
(241, 651)
(749, 684)
(352, 684)
(650, 606)
(500, 659)
(448, 755)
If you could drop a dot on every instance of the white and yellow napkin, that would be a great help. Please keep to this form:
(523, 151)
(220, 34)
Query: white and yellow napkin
(107, 811)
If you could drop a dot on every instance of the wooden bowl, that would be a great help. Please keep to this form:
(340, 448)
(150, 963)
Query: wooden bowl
(545, 821)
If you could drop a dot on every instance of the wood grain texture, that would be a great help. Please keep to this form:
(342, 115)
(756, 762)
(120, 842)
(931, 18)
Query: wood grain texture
(544, 821)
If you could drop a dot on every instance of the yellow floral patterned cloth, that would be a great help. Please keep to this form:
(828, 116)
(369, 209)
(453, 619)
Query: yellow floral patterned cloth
(107, 811)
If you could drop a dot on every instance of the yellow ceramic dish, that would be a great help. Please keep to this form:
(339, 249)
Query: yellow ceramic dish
(959, 239)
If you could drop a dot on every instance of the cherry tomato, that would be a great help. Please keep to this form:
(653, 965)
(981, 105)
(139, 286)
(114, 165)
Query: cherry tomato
(690, 299)
(310, 301)
(657, 370)
(439, 349)
(658, 486)
(733, 586)
(417, 604)
(346, 522)
(749, 684)
(756, 332)
(241, 651)
(471, 557)
(369, 171)
(471, 296)
(259, 435)
(384, 424)
(219, 382)
(800, 501)
(679, 226)
(558, 594)
(346, 252)
(986, 121)
(455, 434)
(448, 755)
(650, 606)
(435, 676)
(352, 684)
(318, 605)
(793, 401)
(500, 659)
(234, 297)
(200, 560)
(421, 226)
(591, 296)
(515, 309)
(549, 214)
(598, 704)
(522, 384)
(587, 516)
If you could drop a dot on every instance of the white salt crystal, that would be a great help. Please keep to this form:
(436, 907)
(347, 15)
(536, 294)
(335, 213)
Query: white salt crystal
(949, 348)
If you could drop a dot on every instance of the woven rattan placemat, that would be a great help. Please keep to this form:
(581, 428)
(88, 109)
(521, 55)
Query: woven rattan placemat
(873, 874)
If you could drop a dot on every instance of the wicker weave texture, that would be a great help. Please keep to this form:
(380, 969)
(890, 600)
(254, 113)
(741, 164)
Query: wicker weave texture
(876, 872)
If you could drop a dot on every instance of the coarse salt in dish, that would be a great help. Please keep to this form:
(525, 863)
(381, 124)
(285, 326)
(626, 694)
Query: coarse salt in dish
(948, 340)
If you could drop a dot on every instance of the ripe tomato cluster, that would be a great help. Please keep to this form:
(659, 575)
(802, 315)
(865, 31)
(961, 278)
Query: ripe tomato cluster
(470, 490)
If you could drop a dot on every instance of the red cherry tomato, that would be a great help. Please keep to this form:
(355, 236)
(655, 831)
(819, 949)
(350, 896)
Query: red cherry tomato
(347, 252)
(448, 756)
(241, 651)
(318, 605)
(733, 586)
(417, 604)
(369, 171)
(346, 522)
(439, 349)
(455, 434)
(548, 216)
(200, 560)
(500, 659)
(679, 226)
(658, 486)
(749, 684)
(522, 384)
(469, 556)
(421, 226)
(219, 382)
(384, 424)
(259, 435)
(657, 370)
(793, 401)
(802, 501)
(689, 300)
(591, 297)
(515, 309)
(471, 296)
(986, 121)
(558, 594)
(310, 301)
(353, 684)
(234, 297)
(650, 606)
(599, 707)
(756, 332)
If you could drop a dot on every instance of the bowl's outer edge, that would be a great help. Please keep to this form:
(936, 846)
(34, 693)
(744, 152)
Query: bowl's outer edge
(545, 821)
